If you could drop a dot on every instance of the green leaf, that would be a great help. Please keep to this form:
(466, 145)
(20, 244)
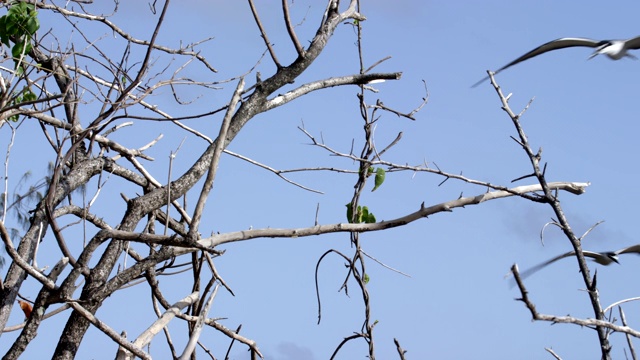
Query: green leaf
(359, 214)
(349, 213)
(12, 27)
(33, 24)
(25, 95)
(366, 278)
(17, 49)
(21, 22)
(20, 8)
(370, 219)
(362, 215)
(28, 95)
(19, 69)
(380, 175)
(27, 48)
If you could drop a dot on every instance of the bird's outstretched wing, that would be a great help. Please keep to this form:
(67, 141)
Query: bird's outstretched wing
(525, 274)
(633, 43)
(630, 249)
(602, 258)
(550, 46)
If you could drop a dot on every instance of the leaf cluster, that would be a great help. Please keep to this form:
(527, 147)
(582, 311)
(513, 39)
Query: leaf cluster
(18, 26)
(25, 95)
(362, 215)
(362, 212)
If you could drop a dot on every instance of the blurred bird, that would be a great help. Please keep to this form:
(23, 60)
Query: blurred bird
(26, 308)
(602, 258)
(614, 49)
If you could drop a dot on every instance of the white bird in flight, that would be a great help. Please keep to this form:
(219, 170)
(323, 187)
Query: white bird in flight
(602, 258)
(614, 49)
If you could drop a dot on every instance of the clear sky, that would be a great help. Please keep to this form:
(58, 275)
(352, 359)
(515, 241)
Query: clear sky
(457, 304)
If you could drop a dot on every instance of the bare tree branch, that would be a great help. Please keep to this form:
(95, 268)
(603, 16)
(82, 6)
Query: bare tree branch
(292, 33)
(263, 33)
(326, 83)
(146, 337)
(553, 201)
(590, 323)
(215, 159)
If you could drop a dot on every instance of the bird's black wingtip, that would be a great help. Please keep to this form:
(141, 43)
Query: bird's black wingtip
(479, 82)
(482, 80)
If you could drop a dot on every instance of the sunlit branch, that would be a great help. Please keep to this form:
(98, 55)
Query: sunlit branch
(423, 212)
(359, 79)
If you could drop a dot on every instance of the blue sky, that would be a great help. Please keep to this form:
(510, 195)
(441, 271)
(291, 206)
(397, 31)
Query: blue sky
(457, 304)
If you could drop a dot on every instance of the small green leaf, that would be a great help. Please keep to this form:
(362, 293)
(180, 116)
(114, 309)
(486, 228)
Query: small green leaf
(362, 215)
(359, 214)
(12, 25)
(19, 69)
(380, 175)
(366, 278)
(28, 95)
(4, 38)
(370, 219)
(17, 49)
(27, 48)
(349, 213)
(33, 24)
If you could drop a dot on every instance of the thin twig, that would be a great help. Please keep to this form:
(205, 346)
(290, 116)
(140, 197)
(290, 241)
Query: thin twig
(290, 30)
(108, 331)
(629, 340)
(263, 33)
(215, 159)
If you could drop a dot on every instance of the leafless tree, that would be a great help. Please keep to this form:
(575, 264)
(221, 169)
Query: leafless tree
(85, 93)
(604, 326)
